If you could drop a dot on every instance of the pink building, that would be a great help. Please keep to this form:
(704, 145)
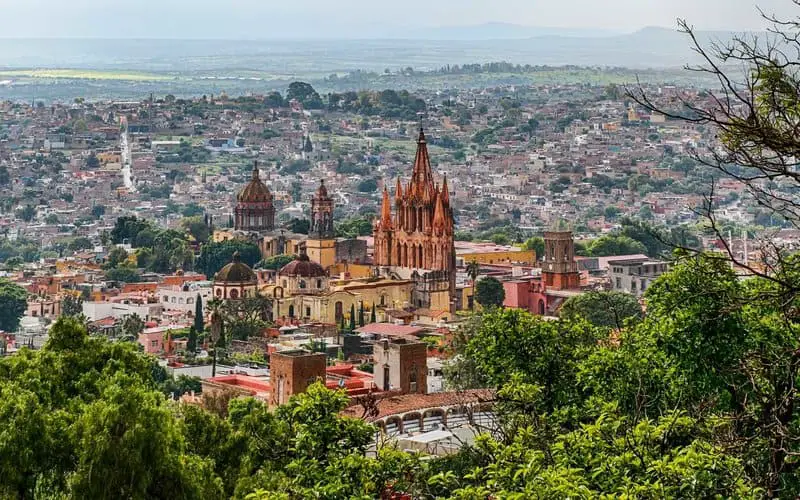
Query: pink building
(529, 294)
(153, 342)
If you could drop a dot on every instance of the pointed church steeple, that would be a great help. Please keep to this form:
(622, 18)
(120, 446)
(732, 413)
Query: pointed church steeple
(386, 210)
(398, 192)
(439, 221)
(422, 174)
(445, 194)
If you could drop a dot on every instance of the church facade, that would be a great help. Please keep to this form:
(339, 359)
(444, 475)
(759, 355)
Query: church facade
(417, 240)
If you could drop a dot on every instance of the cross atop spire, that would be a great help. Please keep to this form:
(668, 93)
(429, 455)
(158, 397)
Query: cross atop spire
(422, 175)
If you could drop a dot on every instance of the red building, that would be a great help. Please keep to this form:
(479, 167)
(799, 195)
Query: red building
(560, 279)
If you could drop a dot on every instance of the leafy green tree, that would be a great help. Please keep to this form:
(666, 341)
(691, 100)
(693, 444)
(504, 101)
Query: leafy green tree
(13, 303)
(197, 228)
(605, 309)
(80, 243)
(489, 292)
(125, 273)
(246, 317)
(71, 305)
(132, 326)
(14, 262)
(299, 226)
(215, 255)
(276, 262)
(305, 94)
(128, 228)
(26, 213)
(368, 185)
(354, 227)
(607, 246)
(536, 244)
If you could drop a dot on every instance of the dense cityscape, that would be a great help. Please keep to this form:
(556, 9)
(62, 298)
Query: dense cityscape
(527, 289)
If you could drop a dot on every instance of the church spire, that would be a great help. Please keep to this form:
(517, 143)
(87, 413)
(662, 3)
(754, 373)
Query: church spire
(445, 194)
(386, 210)
(255, 170)
(422, 164)
(439, 221)
(398, 192)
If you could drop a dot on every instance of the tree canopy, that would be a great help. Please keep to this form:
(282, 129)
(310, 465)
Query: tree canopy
(489, 292)
(605, 309)
(13, 303)
(216, 255)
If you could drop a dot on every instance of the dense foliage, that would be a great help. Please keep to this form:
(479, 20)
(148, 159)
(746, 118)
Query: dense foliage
(216, 255)
(713, 363)
(13, 302)
(489, 292)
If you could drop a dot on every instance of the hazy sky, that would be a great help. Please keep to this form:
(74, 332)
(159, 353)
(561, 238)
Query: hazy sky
(357, 18)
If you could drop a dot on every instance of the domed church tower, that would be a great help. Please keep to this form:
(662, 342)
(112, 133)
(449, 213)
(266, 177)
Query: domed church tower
(254, 208)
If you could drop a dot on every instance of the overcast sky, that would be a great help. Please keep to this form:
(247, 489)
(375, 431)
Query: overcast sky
(357, 18)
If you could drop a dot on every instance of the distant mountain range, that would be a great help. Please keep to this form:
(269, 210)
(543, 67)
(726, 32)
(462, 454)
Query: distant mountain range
(422, 49)
(500, 31)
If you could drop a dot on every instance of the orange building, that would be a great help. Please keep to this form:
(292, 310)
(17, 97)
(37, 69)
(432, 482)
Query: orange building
(420, 236)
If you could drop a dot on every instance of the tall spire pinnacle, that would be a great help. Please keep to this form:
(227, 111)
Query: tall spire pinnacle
(255, 170)
(422, 163)
(386, 210)
(445, 195)
(439, 221)
(398, 192)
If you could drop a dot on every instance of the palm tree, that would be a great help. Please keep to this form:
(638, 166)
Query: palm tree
(473, 270)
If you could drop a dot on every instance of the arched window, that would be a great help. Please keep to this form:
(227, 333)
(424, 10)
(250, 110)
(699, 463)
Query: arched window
(338, 311)
(541, 307)
(234, 294)
(190, 301)
(291, 311)
(319, 284)
(302, 284)
(412, 386)
(219, 292)
(383, 300)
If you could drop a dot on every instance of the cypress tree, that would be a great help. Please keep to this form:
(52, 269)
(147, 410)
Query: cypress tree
(373, 318)
(199, 324)
(352, 317)
(361, 314)
(191, 344)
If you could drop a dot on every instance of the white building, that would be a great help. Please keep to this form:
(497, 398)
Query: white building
(98, 310)
(183, 298)
(634, 276)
